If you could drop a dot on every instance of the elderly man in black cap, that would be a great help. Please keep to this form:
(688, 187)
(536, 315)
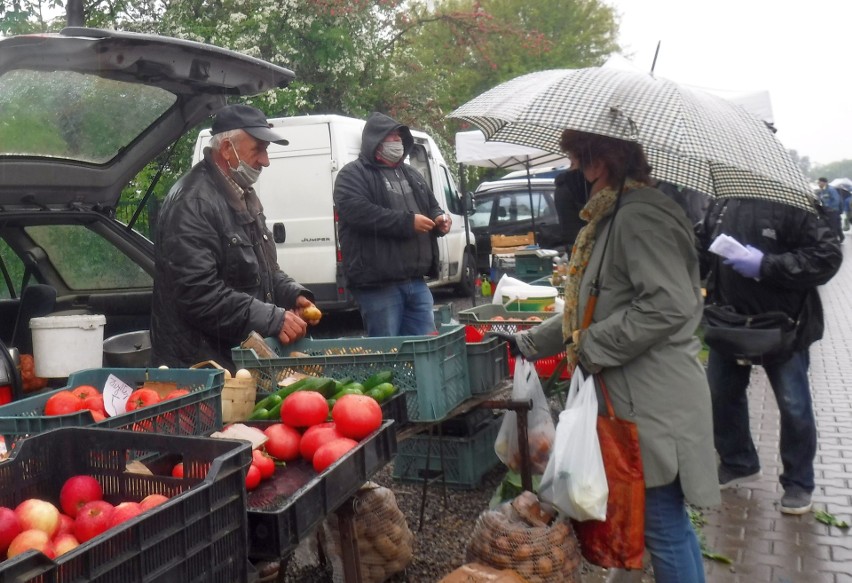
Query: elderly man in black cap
(217, 277)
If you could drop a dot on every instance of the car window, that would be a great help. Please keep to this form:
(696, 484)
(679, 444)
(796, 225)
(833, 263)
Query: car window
(481, 216)
(86, 261)
(63, 114)
(14, 268)
(420, 161)
(515, 206)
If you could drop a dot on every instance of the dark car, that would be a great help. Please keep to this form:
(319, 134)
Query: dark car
(515, 206)
(81, 113)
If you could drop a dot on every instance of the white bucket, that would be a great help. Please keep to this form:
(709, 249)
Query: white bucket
(529, 298)
(65, 344)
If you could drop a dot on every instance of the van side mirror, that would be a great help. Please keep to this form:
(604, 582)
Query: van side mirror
(279, 233)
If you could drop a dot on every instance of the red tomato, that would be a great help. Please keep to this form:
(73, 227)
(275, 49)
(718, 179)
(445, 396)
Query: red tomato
(331, 452)
(303, 409)
(177, 471)
(85, 391)
(141, 398)
(283, 442)
(317, 436)
(62, 403)
(357, 416)
(95, 403)
(176, 393)
(264, 463)
(252, 477)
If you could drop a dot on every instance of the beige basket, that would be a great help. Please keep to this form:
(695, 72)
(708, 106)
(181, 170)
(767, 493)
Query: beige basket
(238, 395)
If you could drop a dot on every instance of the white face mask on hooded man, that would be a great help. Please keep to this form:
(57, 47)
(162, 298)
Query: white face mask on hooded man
(243, 174)
(392, 151)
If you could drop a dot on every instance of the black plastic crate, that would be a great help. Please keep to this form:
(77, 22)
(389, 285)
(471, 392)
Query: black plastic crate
(198, 535)
(197, 413)
(396, 409)
(466, 424)
(285, 509)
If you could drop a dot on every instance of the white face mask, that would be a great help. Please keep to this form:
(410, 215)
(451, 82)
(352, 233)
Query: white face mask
(243, 174)
(392, 151)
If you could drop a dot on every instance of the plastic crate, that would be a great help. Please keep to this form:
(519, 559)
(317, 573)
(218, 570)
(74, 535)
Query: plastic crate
(443, 314)
(466, 424)
(431, 370)
(545, 367)
(487, 364)
(487, 317)
(198, 535)
(197, 413)
(529, 267)
(284, 510)
(466, 459)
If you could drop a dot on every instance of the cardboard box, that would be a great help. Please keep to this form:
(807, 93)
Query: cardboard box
(479, 573)
(512, 240)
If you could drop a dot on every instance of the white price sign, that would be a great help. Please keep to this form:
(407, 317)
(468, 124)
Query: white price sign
(116, 393)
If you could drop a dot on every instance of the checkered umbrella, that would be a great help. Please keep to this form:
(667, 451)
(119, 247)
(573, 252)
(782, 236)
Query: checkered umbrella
(691, 138)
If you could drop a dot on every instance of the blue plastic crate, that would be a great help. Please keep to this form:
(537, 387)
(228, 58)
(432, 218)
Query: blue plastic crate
(487, 363)
(466, 459)
(197, 413)
(431, 370)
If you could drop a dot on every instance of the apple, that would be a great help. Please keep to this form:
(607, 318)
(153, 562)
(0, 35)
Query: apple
(40, 514)
(93, 519)
(10, 527)
(32, 538)
(64, 543)
(66, 525)
(77, 491)
(125, 511)
(151, 500)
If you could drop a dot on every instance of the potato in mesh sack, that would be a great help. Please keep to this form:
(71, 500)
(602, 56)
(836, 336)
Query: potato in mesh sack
(523, 536)
(383, 537)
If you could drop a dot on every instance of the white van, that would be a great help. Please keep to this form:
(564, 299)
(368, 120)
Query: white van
(296, 192)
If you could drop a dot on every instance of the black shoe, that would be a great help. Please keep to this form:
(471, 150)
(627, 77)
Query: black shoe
(728, 479)
(796, 501)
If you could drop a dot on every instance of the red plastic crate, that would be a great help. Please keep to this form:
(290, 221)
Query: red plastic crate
(543, 366)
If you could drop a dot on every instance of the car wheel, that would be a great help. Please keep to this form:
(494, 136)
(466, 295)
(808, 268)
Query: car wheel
(467, 284)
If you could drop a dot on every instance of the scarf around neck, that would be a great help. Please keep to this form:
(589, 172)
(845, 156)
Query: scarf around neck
(600, 206)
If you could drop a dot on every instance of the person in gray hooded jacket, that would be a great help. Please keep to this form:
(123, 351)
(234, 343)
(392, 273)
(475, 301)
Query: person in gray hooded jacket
(389, 222)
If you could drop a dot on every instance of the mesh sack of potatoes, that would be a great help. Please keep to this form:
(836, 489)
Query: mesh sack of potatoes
(382, 535)
(523, 536)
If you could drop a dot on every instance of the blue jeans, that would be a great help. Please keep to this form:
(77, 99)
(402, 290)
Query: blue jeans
(670, 538)
(789, 380)
(397, 309)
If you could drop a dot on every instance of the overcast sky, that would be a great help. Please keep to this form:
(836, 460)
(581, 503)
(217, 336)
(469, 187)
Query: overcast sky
(800, 52)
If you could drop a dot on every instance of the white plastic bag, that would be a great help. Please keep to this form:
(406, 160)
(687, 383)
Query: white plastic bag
(540, 428)
(574, 480)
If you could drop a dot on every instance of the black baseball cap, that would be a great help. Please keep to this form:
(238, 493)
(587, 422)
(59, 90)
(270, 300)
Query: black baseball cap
(247, 118)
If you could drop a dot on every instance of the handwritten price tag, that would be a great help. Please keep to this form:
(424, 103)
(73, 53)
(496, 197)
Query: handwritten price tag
(116, 393)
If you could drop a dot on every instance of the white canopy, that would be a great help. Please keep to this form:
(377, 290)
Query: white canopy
(473, 150)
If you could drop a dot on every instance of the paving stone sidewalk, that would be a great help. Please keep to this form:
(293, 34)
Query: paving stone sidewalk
(765, 545)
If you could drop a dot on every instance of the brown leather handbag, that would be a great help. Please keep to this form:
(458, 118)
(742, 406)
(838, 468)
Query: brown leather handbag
(619, 541)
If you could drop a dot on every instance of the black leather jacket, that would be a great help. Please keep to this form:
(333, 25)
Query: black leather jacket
(217, 276)
(800, 253)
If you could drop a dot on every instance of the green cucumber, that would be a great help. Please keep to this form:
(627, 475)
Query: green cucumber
(346, 392)
(268, 402)
(376, 394)
(384, 376)
(275, 413)
(261, 414)
(292, 388)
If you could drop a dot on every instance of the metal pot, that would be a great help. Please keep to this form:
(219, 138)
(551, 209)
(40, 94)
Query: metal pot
(128, 350)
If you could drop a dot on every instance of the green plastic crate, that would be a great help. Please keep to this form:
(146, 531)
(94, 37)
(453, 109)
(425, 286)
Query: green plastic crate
(466, 459)
(198, 413)
(431, 370)
(487, 363)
